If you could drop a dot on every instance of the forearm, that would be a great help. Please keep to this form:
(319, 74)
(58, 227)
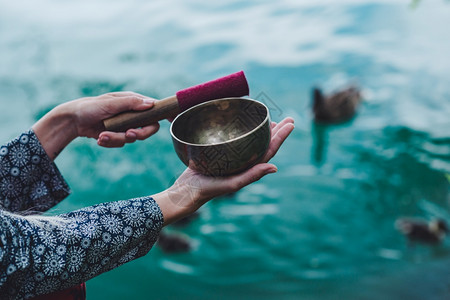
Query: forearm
(62, 251)
(56, 130)
(30, 181)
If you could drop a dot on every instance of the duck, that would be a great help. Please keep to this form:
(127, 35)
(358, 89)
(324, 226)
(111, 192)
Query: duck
(173, 243)
(419, 231)
(337, 107)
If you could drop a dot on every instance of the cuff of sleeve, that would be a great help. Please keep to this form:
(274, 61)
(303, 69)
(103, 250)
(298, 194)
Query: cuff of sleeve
(44, 186)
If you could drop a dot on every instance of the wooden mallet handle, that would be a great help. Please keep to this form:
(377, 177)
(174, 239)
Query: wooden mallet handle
(162, 109)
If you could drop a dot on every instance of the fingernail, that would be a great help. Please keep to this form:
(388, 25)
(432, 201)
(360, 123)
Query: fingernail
(148, 101)
(272, 170)
(131, 135)
(103, 140)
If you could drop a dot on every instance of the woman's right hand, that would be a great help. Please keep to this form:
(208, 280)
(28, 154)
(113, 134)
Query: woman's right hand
(84, 117)
(90, 112)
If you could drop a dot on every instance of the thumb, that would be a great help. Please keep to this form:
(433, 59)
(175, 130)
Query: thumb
(130, 102)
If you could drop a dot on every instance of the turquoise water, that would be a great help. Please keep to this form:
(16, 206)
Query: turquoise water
(323, 226)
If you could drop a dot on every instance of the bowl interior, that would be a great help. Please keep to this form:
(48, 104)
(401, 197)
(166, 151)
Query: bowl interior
(219, 121)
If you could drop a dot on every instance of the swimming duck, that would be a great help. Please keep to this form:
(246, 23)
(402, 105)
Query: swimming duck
(432, 232)
(173, 243)
(336, 108)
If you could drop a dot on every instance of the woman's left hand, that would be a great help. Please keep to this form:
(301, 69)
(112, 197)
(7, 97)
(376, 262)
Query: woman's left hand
(191, 190)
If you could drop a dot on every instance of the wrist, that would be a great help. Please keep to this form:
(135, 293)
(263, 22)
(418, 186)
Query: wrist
(55, 130)
(65, 117)
(176, 203)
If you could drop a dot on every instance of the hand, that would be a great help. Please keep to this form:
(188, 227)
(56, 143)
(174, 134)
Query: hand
(90, 113)
(192, 190)
(84, 117)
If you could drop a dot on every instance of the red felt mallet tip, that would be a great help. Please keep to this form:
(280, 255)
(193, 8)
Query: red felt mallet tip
(233, 85)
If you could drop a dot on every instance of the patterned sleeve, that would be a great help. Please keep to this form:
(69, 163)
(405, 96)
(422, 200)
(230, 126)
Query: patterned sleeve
(29, 180)
(39, 254)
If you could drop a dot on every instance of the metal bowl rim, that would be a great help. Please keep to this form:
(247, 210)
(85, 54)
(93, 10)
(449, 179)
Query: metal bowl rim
(266, 119)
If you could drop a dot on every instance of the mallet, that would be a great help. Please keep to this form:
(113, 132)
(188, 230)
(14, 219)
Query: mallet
(233, 85)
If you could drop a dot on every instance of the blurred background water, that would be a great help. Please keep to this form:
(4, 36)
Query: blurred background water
(323, 226)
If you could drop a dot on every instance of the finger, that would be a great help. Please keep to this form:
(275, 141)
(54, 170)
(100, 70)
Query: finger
(110, 139)
(277, 140)
(272, 125)
(253, 174)
(283, 122)
(124, 93)
(142, 133)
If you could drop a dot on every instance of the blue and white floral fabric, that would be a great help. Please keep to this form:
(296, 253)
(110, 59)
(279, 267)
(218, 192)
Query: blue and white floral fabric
(29, 180)
(41, 254)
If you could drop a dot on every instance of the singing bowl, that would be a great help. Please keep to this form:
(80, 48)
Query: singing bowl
(222, 137)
